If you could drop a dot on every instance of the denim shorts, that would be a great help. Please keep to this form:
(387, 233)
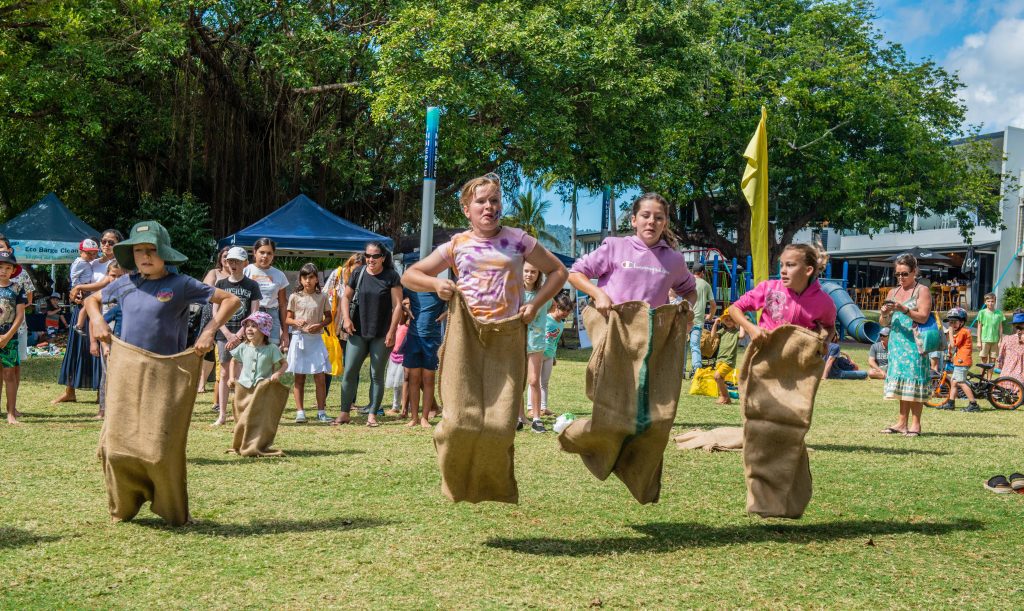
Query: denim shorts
(421, 352)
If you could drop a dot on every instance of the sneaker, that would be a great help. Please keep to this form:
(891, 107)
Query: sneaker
(998, 484)
(1017, 481)
(364, 410)
(300, 417)
(538, 427)
(380, 412)
(948, 405)
(519, 425)
(322, 417)
(973, 407)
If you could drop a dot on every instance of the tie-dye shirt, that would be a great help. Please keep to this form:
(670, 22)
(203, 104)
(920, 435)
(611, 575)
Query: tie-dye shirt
(490, 270)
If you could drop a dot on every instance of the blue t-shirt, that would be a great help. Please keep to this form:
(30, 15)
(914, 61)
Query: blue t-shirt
(10, 297)
(426, 309)
(154, 313)
(841, 363)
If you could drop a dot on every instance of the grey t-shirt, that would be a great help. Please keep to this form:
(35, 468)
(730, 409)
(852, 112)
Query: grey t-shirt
(155, 312)
(880, 353)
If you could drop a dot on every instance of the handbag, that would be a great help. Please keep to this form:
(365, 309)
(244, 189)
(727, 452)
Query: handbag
(927, 335)
(331, 339)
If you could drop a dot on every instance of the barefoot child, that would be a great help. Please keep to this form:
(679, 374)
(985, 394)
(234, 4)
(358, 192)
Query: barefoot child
(229, 336)
(143, 443)
(488, 260)
(729, 335)
(535, 346)
(561, 307)
(420, 354)
(395, 376)
(308, 313)
(12, 312)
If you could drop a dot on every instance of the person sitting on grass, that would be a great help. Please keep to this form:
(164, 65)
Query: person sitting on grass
(878, 356)
(839, 366)
(960, 353)
(729, 335)
(54, 315)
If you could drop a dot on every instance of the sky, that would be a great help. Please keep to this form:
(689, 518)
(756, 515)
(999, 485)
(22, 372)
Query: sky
(982, 40)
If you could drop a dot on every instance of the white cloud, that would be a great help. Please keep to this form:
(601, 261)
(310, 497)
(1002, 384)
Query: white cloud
(991, 64)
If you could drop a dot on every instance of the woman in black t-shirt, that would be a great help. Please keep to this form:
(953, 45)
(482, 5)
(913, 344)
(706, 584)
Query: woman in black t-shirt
(377, 292)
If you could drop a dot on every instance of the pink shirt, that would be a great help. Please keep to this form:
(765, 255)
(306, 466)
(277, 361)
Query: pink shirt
(812, 309)
(626, 269)
(490, 270)
(1011, 357)
(396, 355)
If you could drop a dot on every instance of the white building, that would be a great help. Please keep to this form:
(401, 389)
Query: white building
(996, 249)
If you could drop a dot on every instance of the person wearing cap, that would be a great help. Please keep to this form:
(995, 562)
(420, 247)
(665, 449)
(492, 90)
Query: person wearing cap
(155, 301)
(80, 369)
(24, 282)
(1010, 359)
(878, 356)
(12, 313)
(705, 299)
(229, 336)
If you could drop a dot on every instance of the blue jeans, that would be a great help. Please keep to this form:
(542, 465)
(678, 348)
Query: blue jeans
(839, 374)
(695, 358)
(356, 351)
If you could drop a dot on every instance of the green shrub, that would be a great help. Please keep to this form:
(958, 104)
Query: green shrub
(1013, 298)
(188, 222)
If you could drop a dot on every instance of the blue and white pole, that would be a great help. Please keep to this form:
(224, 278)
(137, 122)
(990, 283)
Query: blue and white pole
(429, 182)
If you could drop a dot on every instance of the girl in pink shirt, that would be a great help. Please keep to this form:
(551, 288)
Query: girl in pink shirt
(795, 298)
(1011, 350)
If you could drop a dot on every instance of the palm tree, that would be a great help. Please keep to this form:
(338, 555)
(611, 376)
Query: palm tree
(527, 213)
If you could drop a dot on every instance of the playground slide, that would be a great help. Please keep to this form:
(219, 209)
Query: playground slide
(849, 317)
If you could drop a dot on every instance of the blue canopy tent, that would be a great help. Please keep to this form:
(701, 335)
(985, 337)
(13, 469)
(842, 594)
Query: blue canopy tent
(47, 232)
(302, 228)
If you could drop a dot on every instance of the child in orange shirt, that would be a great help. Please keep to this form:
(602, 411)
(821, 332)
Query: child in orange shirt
(960, 354)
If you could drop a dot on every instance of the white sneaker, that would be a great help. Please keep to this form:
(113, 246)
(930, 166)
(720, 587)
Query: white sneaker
(300, 417)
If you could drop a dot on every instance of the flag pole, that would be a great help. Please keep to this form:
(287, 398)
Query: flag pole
(429, 182)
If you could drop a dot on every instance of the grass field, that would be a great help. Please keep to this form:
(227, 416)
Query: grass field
(354, 517)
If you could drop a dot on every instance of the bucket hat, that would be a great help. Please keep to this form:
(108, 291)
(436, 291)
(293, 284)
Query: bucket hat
(8, 258)
(147, 232)
(1018, 317)
(262, 321)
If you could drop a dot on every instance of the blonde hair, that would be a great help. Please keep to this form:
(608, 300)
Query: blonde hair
(350, 265)
(468, 191)
(814, 255)
(668, 235)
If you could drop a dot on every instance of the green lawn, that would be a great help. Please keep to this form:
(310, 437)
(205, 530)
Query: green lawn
(354, 517)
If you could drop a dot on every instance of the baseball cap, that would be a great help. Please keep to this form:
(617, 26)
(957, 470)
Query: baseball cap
(237, 253)
(8, 258)
(88, 244)
(884, 332)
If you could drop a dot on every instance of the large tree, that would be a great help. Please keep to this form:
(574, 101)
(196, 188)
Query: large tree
(859, 136)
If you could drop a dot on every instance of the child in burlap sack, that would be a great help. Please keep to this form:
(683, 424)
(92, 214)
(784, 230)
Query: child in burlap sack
(779, 379)
(152, 378)
(634, 374)
(474, 440)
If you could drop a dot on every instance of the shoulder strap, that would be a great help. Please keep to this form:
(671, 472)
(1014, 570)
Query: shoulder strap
(359, 280)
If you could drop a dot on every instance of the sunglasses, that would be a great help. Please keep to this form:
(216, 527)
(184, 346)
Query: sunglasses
(902, 274)
(108, 242)
(373, 256)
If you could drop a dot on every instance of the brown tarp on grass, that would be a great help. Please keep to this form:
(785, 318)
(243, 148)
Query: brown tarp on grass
(633, 378)
(481, 381)
(142, 443)
(257, 414)
(778, 382)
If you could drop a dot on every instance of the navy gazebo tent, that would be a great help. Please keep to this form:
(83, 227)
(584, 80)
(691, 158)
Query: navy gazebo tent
(47, 232)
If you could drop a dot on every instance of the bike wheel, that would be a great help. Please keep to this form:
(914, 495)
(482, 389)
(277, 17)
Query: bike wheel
(940, 392)
(1006, 393)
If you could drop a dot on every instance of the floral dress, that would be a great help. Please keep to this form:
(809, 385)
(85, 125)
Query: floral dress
(1011, 357)
(908, 377)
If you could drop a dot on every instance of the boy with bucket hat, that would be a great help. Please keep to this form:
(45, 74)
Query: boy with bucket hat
(152, 383)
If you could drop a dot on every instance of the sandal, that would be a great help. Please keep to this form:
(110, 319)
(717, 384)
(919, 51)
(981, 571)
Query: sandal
(889, 430)
(372, 424)
(910, 433)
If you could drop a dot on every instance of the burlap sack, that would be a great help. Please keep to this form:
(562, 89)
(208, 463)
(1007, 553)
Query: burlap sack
(778, 381)
(481, 381)
(721, 439)
(633, 378)
(257, 414)
(142, 443)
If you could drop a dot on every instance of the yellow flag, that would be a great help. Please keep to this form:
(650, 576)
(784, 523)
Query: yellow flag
(755, 189)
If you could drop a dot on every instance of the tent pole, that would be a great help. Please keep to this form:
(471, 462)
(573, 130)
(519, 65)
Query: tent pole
(429, 182)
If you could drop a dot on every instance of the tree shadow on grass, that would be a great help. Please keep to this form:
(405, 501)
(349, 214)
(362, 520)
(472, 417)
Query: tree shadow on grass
(663, 537)
(242, 460)
(259, 528)
(830, 447)
(16, 537)
(965, 434)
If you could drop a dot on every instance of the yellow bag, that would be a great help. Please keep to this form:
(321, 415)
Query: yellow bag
(330, 336)
(704, 382)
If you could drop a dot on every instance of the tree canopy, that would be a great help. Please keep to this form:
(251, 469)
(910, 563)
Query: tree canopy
(243, 104)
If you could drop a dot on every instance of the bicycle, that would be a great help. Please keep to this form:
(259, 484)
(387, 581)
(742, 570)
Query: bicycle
(1003, 392)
